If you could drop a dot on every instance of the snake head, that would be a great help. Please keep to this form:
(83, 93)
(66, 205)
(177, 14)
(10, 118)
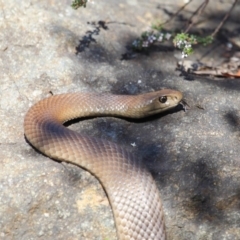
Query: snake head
(160, 101)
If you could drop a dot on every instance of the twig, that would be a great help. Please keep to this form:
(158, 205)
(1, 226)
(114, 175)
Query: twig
(176, 13)
(198, 12)
(224, 19)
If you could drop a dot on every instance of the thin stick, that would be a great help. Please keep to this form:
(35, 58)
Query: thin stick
(176, 13)
(224, 19)
(198, 12)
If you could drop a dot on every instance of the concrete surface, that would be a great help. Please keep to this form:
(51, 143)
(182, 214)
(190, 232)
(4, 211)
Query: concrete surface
(194, 156)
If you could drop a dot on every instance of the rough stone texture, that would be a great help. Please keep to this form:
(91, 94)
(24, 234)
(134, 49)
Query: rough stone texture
(193, 155)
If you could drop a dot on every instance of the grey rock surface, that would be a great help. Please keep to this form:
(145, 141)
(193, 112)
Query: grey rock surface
(194, 156)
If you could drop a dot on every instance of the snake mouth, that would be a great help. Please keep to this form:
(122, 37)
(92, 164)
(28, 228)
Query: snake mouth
(165, 109)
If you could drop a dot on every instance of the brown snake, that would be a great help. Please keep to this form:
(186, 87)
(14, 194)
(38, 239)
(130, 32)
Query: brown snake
(131, 190)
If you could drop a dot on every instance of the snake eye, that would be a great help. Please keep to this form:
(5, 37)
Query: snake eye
(163, 99)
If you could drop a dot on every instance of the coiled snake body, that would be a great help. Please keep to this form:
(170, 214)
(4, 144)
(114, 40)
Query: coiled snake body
(131, 189)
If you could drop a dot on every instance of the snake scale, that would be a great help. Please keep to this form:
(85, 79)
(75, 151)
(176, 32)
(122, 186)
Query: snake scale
(132, 192)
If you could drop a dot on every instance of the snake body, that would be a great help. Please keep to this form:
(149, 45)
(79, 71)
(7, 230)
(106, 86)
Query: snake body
(131, 190)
